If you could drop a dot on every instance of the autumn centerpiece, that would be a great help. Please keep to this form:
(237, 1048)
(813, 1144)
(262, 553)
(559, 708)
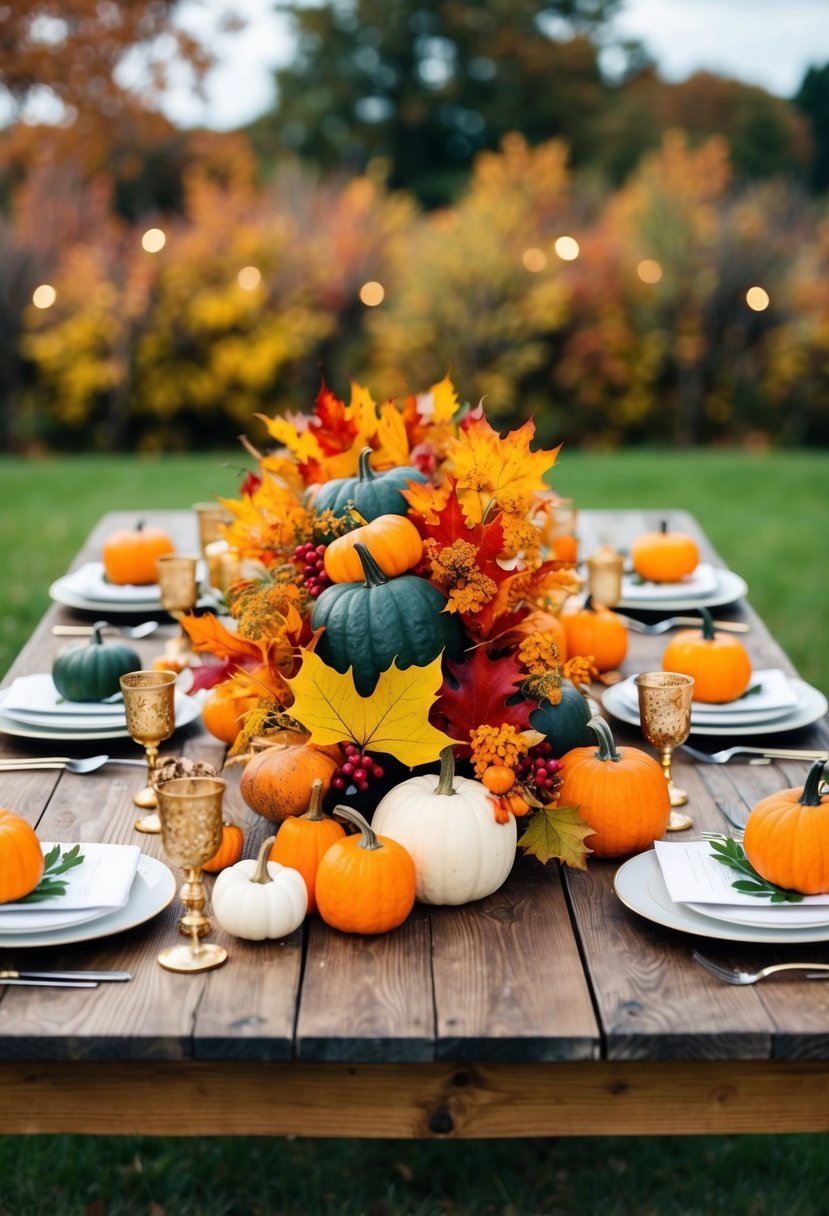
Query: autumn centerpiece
(404, 616)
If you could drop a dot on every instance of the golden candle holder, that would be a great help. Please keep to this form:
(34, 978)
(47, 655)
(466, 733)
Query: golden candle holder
(210, 518)
(190, 809)
(665, 715)
(556, 519)
(178, 587)
(604, 576)
(149, 706)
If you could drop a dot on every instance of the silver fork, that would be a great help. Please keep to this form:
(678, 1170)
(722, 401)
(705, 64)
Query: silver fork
(128, 631)
(673, 622)
(813, 971)
(767, 753)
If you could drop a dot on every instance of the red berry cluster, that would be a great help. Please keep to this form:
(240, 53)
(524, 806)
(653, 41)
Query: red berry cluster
(310, 558)
(357, 769)
(539, 769)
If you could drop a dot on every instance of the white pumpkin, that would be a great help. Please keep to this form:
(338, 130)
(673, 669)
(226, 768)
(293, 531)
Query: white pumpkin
(260, 899)
(459, 850)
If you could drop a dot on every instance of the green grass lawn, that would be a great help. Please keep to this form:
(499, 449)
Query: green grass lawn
(767, 515)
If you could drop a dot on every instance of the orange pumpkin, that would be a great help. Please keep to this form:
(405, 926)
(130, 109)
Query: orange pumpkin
(229, 851)
(718, 662)
(302, 842)
(622, 794)
(21, 857)
(664, 556)
(392, 540)
(224, 709)
(787, 836)
(537, 620)
(129, 555)
(277, 782)
(365, 883)
(498, 778)
(594, 630)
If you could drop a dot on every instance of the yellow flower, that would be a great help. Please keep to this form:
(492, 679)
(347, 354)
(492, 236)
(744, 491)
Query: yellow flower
(455, 567)
(538, 654)
(496, 745)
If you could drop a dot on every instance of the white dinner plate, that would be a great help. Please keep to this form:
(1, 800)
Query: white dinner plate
(152, 890)
(62, 592)
(187, 711)
(811, 707)
(703, 716)
(640, 886)
(51, 920)
(730, 587)
(767, 916)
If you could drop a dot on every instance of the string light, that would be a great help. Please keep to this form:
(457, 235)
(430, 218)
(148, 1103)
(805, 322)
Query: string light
(153, 240)
(249, 278)
(649, 271)
(372, 294)
(567, 248)
(757, 299)
(44, 296)
(534, 260)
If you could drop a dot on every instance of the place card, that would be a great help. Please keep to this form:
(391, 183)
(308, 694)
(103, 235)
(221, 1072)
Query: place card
(692, 874)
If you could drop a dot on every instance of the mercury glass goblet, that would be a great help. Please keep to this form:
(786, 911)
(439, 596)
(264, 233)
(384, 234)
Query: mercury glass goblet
(604, 576)
(210, 516)
(178, 588)
(149, 706)
(190, 809)
(665, 715)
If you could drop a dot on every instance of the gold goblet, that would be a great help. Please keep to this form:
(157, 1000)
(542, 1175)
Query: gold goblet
(190, 809)
(178, 588)
(149, 705)
(604, 576)
(665, 715)
(210, 516)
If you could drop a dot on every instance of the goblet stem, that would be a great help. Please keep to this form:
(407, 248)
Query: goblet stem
(678, 797)
(194, 922)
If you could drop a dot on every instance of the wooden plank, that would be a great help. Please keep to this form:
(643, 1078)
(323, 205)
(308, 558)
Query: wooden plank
(509, 982)
(367, 998)
(434, 1101)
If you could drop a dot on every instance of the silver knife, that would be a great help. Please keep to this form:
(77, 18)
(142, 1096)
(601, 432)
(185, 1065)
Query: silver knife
(66, 976)
(21, 983)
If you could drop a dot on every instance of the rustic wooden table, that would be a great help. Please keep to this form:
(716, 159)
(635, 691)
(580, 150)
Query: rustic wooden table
(546, 1009)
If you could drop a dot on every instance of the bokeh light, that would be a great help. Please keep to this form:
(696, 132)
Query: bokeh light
(534, 260)
(567, 248)
(757, 299)
(249, 278)
(44, 296)
(372, 293)
(153, 240)
(649, 271)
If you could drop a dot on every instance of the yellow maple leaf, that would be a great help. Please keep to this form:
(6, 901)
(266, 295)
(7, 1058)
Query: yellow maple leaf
(394, 719)
(495, 471)
(441, 402)
(557, 831)
(393, 451)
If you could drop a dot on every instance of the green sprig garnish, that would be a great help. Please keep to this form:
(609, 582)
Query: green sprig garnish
(55, 863)
(727, 851)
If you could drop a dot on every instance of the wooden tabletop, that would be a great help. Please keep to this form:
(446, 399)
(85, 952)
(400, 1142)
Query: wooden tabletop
(546, 1008)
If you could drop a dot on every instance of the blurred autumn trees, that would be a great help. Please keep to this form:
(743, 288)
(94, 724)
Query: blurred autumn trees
(439, 150)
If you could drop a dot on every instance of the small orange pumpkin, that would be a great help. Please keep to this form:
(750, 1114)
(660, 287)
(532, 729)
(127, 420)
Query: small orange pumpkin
(277, 782)
(224, 709)
(596, 631)
(498, 778)
(718, 662)
(21, 857)
(129, 555)
(664, 556)
(229, 851)
(365, 883)
(622, 794)
(392, 540)
(302, 842)
(787, 836)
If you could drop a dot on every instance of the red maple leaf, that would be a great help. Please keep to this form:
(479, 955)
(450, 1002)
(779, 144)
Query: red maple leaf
(478, 692)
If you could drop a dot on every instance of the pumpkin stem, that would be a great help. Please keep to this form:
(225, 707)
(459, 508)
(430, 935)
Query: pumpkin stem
(811, 788)
(373, 576)
(663, 527)
(588, 604)
(314, 813)
(261, 874)
(364, 469)
(707, 624)
(446, 781)
(369, 837)
(97, 629)
(607, 747)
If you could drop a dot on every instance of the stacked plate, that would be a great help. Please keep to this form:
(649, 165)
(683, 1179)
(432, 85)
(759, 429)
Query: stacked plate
(777, 702)
(89, 589)
(683, 886)
(115, 888)
(32, 708)
(707, 587)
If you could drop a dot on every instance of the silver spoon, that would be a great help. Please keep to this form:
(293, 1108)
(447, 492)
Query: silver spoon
(128, 631)
(87, 764)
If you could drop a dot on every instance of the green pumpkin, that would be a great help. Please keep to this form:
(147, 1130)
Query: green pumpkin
(370, 624)
(371, 493)
(565, 724)
(92, 671)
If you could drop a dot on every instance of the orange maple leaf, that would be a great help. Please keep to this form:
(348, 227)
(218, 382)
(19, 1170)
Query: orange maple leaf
(492, 471)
